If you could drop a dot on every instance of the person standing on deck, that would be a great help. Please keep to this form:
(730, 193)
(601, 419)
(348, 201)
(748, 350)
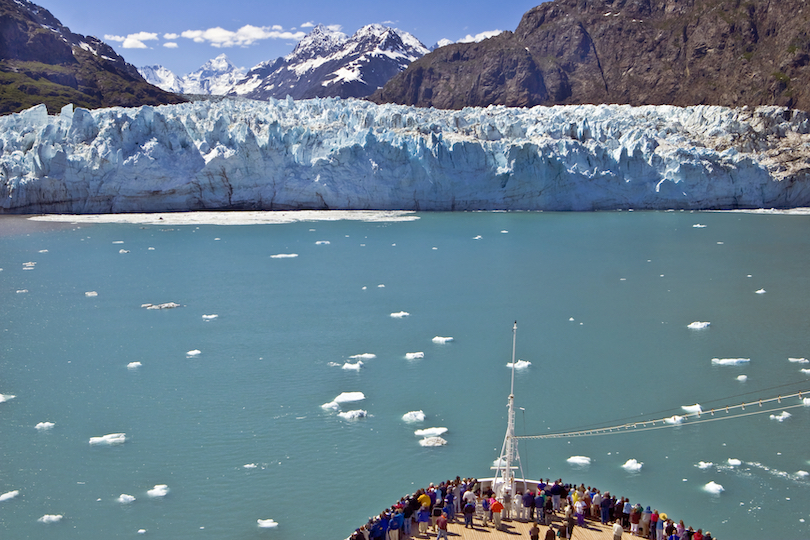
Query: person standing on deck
(469, 510)
(534, 532)
(618, 530)
(497, 509)
(441, 526)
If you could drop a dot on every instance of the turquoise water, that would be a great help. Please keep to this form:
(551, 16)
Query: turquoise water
(602, 302)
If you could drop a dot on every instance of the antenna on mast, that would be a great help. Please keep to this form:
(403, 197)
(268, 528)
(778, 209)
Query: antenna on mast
(504, 475)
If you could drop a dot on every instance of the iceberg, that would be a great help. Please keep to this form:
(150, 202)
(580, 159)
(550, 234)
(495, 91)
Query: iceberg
(7, 496)
(714, 488)
(267, 523)
(432, 441)
(330, 153)
(579, 460)
(414, 416)
(109, 440)
(632, 465)
(430, 432)
(50, 518)
(160, 490)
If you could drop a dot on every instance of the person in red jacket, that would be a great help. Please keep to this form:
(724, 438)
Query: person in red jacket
(497, 509)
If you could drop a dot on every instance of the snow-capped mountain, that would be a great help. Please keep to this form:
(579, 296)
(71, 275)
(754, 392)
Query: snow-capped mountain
(327, 63)
(215, 77)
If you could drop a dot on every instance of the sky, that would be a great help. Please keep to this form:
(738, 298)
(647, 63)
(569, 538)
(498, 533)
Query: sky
(182, 35)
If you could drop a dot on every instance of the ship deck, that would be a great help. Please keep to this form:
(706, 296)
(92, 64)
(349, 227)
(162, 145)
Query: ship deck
(512, 529)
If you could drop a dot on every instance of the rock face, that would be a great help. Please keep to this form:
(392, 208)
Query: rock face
(352, 154)
(637, 52)
(42, 61)
(327, 63)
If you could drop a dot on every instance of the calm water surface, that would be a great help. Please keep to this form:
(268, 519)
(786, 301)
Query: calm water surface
(237, 433)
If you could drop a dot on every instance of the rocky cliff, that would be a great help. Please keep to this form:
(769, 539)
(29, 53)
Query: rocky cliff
(679, 52)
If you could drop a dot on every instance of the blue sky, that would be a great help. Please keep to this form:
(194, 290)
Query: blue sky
(182, 35)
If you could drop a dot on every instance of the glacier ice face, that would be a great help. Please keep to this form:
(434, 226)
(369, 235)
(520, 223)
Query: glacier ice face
(352, 154)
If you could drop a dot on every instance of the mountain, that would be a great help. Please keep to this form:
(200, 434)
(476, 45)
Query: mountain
(42, 61)
(327, 63)
(216, 77)
(680, 52)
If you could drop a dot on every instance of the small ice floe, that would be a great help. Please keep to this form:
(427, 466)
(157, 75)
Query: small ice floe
(520, 364)
(400, 314)
(430, 432)
(714, 488)
(322, 243)
(123, 251)
(479, 237)
(504, 231)
(91, 294)
(730, 361)
(632, 465)
(570, 319)
(331, 406)
(267, 523)
(742, 378)
(674, 419)
(579, 460)
(353, 415)
(704, 465)
(6, 397)
(284, 256)
(363, 356)
(381, 286)
(150, 249)
(143, 531)
(209, 317)
(109, 440)
(51, 518)
(760, 291)
(806, 401)
(692, 409)
(353, 367)
(805, 371)
(781, 417)
(125, 499)
(440, 339)
(118, 242)
(160, 490)
(8, 495)
(414, 416)
(799, 360)
(734, 462)
(249, 466)
(432, 441)
(44, 426)
(43, 251)
(192, 353)
(29, 265)
(21, 291)
(698, 226)
(802, 474)
(414, 355)
(165, 305)
(698, 325)
(345, 397)
(134, 365)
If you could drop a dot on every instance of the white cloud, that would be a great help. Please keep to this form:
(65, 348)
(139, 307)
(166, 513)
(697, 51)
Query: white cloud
(170, 45)
(245, 36)
(111, 37)
(171, 35)
(480, 36)
(309, 24)
(334, 27)
(133, 41)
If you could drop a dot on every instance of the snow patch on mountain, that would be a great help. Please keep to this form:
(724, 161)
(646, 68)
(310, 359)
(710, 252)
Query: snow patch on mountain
(216, 77)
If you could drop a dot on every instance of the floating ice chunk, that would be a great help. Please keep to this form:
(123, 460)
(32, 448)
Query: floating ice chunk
(781, 417)
(267, 523)
(284, 256)
(806, 401)
(477, 237)
(579, 460)
(760, 291)
(400, 314)
(691, 409)
(520, 364)
(714, 488)
(29, 264)
(414, 355)
(674, 419)
(322, 243)
(6, 397)
(704, 465)
(249, 466)
(193, 352)
(149, 249)
(571, 319)
(729, 361)
(333, 364)
(125, 499)
(332, 405)
(430, 432)
(44, 426)
(698, 226)
(118, 242)
(91, 294)
(51, 518)
(440, 339)
(160, 490)
(632, 465)
(165, 305)
(142, 531)
(353, 415)
(209, 317)
(698, 325)
(348, 397)
(134, 365)
(432, 441)
(504, 232)
(414, 416)
(43, 251)
(381, 286)
(805, 371)
(123, 251)
(353, 367)
(110, 439)
(8, 495)
(742, 378)
(802, 474)
(734, 462)
(799, 360)
(21, 291)
(364, 356)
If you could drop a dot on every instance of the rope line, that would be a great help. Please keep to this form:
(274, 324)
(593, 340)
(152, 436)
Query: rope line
(663, 423)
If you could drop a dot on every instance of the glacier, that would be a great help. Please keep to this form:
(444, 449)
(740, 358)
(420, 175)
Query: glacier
(237, 154)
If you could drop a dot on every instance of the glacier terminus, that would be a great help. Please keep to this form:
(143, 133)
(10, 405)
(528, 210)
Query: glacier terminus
(331, 153)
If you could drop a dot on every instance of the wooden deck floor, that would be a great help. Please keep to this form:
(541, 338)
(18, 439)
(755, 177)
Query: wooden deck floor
(514, 529)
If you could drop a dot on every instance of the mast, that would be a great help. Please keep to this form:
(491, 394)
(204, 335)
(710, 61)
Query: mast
(504, 475)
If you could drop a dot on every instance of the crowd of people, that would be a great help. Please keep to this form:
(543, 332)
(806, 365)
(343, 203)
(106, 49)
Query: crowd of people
(429, 510)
